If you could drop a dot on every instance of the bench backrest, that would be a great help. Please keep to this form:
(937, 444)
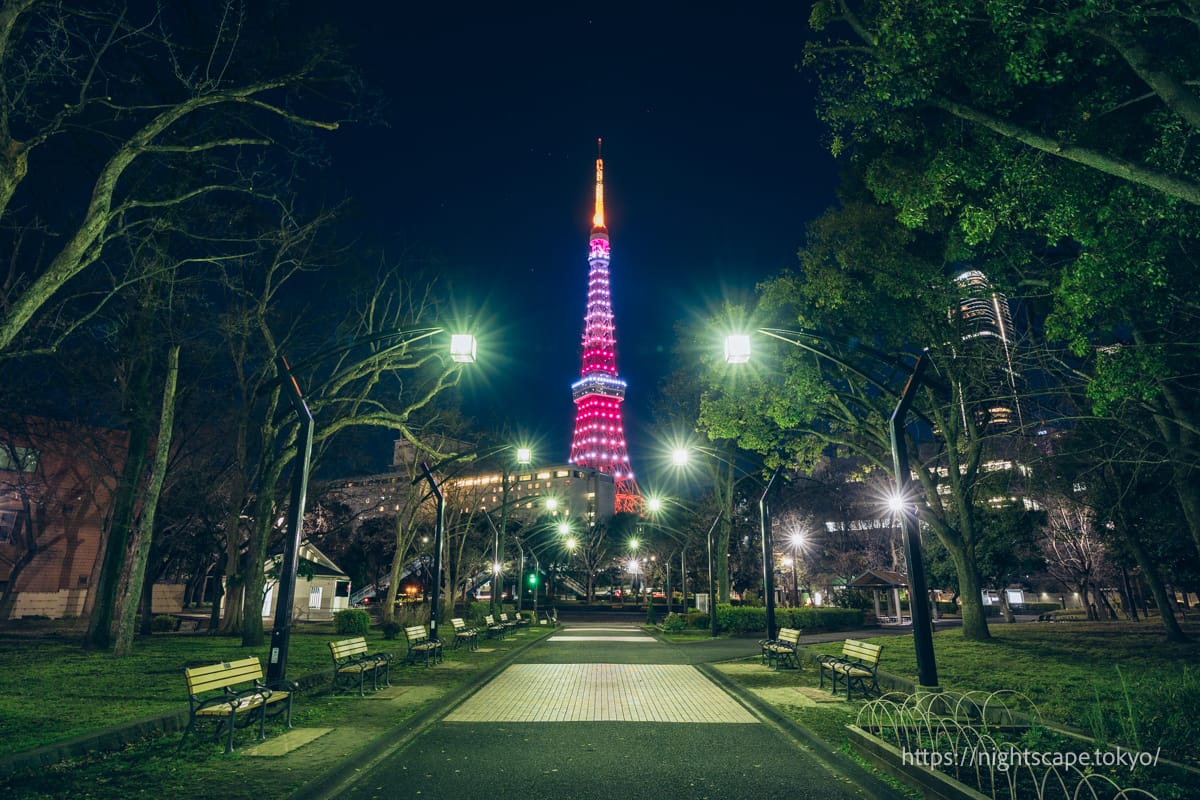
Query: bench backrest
(790, 635)
(489, 619)
(503, 617)
(861, 651)
(348, 648)
(416, 634)
(214, 677)
(459, 624)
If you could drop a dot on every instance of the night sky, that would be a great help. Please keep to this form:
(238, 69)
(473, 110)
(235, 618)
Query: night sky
(713, 165)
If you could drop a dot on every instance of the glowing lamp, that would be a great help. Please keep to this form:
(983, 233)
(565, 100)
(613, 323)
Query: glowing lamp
(524, 455)
(737, 349)
(462, 348)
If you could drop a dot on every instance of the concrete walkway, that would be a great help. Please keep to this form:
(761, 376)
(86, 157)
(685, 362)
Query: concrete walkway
(602, 711)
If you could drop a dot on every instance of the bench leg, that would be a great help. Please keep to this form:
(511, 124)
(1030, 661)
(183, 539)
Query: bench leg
(229, 739)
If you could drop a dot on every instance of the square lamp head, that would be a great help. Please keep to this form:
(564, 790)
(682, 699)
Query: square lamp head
(737, 349)
(462, 348)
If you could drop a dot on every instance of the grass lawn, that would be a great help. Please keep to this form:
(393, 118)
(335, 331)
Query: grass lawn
(1116, 682)
(51, 690)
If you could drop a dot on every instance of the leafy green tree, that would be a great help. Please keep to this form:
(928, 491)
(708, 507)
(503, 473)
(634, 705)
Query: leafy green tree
(1053, 138)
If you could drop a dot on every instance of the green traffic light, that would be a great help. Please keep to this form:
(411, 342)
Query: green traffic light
(533, 579)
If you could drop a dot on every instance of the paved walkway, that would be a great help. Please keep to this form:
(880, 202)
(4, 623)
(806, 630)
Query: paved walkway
(602, 711)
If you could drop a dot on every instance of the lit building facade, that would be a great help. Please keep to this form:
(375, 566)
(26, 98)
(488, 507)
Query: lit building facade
(985, 322)
(599, 440)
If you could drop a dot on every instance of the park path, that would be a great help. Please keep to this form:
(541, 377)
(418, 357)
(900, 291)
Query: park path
(600, 711)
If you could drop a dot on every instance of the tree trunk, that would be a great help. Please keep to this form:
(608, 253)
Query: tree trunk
(100, 623)
(254, 584)
(1157, 590)
(130, 594)
(974, 622)
(146, 609)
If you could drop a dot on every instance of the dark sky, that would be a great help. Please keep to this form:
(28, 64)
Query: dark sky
(713, 165)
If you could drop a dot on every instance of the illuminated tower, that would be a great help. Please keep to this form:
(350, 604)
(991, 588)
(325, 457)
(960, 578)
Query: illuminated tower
(599, 441)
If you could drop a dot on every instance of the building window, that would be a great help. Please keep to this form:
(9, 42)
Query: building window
(23, 459)
(11, 522)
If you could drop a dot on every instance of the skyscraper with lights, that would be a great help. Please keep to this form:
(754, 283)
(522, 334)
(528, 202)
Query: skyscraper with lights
(985, 323)
(599, 441)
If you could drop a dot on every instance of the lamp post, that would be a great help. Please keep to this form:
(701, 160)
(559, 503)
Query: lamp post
(462, 351)
(768, 554)
(737, 351)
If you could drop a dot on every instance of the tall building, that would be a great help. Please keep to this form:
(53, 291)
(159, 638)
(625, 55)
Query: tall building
(986, 326)
(599, 441)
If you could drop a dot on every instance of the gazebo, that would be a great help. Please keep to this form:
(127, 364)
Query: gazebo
(884, 580)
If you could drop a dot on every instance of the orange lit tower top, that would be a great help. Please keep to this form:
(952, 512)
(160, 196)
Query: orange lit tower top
(599, 441)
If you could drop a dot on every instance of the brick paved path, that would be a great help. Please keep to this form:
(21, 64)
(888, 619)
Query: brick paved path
(601, 711)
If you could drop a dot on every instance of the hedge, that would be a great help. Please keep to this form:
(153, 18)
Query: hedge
(744, 619)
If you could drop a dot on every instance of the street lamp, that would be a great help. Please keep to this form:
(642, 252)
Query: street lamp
(462, 351)
(737, 351)
(797, 540)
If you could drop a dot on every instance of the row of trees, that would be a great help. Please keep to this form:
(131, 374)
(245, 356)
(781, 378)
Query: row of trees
(1052, 150)
(166, 247)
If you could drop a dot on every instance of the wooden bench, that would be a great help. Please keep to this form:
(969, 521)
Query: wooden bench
(420, 646)
(521, 620)
(494, 629)
(548, 618)
(232, 694)
(509, 624)
(858, 665)
(353, 660)
(464, 633)
(781, 652)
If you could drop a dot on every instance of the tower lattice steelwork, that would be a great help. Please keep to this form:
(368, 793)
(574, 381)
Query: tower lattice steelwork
(599, 441)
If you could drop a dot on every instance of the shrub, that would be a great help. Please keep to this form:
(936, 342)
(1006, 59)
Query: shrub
(352, 620)
(743, 619)
(162, 623)
(675, 622)
(697, 619)
(391, 630)
(477, 611)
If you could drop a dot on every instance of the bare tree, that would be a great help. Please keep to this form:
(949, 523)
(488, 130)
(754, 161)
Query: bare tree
(67, 73)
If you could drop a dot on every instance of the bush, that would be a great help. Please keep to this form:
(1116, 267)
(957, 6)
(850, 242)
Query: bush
(675, 622)
(352, 620)
(391, 630)
(162, 623)
(743, 620)
(697, 619)
(477, 611)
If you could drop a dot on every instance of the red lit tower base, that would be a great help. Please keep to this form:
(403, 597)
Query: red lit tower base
(599, 441)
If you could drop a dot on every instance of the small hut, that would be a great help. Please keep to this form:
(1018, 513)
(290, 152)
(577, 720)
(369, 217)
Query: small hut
(888, 583)
(322, 588)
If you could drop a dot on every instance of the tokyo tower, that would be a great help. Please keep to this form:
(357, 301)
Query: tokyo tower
(599, 441)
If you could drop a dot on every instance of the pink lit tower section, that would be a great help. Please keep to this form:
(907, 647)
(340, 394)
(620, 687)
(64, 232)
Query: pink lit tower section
(599, 441)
